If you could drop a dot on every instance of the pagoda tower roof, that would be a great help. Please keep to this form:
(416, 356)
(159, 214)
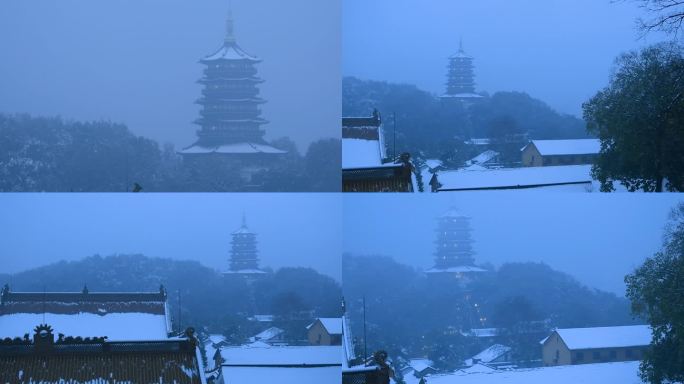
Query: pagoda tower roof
(230, 50)
(453, 212)
(461, 53)
(243, 230)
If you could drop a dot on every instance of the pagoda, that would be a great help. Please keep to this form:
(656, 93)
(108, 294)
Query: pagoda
(460, 77)
(244, 257)
(454, 245)
(230, 118)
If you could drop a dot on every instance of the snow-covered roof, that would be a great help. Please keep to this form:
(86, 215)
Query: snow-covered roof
(236, 148)
(333, 325)
(433, 163)
(605, 337)
(216, 338)
(419, 365)
(511, 178)
(462, 96)
(116, 326)
(267, 334)
(457, 269)
(245, 271)
(262, 318)
(347, 342)
(566, 147)
(484, 157)
(478, 368)
(230, 51)
(492, 353)
(282, 356)
(243, 230)
(361, 153)
(479, 141)
(482, 332)
(281, 375)
(623, 372)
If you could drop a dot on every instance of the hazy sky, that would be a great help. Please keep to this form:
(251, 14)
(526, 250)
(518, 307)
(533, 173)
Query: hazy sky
(560, 51)
(292, 229)
(597, 238)
(136, 61)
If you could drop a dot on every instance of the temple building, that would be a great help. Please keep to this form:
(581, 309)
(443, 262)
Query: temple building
(230, 119)
(454, 253)
(244, 256)
(460, 77)
(366, 167)
(87, 314)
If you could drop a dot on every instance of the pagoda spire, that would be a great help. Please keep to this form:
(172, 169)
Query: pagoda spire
(460, 45)
(244, 220)
(230, 26)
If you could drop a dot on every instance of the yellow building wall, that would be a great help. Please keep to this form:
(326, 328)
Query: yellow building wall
(555, 352)
(531, 157)
(318, 335)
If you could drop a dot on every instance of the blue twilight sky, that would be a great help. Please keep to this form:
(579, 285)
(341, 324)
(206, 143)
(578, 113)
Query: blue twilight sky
(560, 51)
(136, 61)
(292, 229)
(597, 238)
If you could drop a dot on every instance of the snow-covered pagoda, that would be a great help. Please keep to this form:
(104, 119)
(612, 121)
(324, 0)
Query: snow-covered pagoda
(460, 77)
(244, 256)
(230, 118)
(454, 246)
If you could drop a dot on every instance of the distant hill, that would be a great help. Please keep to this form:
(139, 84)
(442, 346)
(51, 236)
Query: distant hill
(427, 127)
(408, 314)
(208, 300)
(56, 155)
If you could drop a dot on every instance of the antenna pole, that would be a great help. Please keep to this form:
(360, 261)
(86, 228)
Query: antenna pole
(180, 329)
(44, 299)
(365, 352)
(394, 136)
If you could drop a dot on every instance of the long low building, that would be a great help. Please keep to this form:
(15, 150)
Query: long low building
(542, 153)
(595, 345)
(117, 315)
(563, 178)
(288, 364)
(623, 373)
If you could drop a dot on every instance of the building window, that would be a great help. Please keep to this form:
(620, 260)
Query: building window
(596, 355)
(629, 354)
(613, 355)
(579, 356)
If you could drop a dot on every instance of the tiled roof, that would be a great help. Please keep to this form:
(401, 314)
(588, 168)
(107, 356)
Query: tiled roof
(79, 361)
(82, 302)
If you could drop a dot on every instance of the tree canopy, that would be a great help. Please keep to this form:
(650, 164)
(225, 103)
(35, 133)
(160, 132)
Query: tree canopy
(656, 290)
(639, 118)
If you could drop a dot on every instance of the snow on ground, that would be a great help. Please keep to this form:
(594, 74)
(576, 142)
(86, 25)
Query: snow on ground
(260, 375)
(567, 147)
(116, 326)
(604, 337)
(361, 153)
(518, 177)
(622, 373)
(286, 355)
